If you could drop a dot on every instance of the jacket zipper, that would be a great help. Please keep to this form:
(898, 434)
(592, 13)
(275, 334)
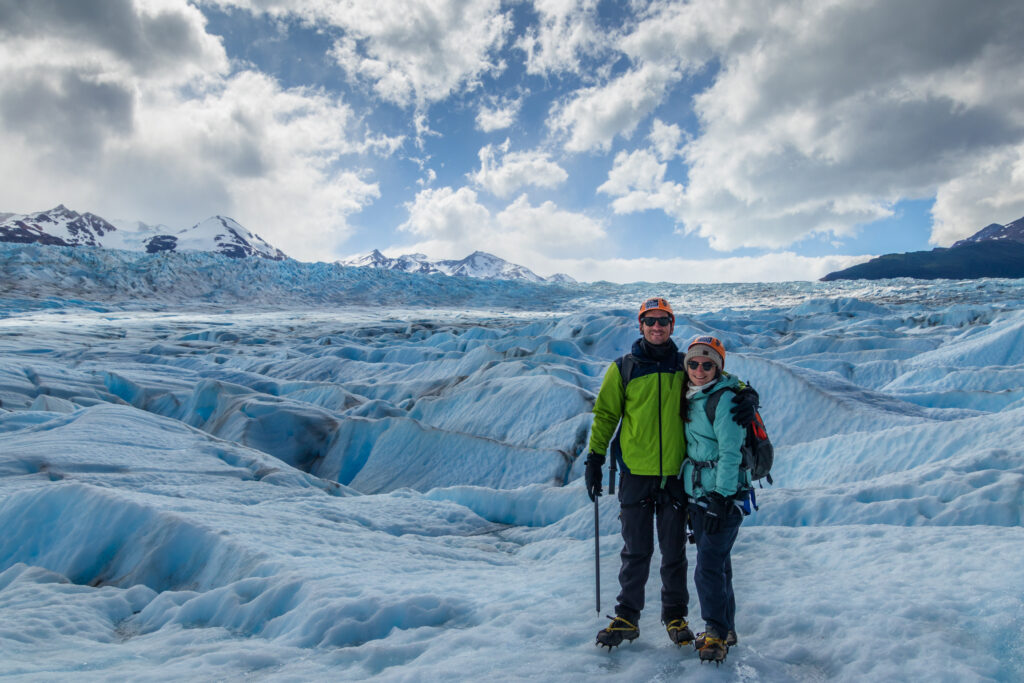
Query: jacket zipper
(661, 463)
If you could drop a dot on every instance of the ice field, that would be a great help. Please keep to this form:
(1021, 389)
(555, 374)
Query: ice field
(363, 475)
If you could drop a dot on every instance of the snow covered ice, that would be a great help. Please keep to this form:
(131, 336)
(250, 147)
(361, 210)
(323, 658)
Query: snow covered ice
(377, 475)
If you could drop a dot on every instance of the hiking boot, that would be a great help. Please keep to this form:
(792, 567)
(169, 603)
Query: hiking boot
(620, 629)
(710, 647)
(679, 632)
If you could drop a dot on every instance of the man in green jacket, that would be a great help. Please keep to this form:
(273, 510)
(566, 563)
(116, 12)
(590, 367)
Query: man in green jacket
(643, 390)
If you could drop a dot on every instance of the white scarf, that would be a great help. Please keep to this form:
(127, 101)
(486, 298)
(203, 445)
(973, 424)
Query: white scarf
(692, 390)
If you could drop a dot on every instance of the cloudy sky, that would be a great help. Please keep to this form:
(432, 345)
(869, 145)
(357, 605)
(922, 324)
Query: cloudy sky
(712, 140)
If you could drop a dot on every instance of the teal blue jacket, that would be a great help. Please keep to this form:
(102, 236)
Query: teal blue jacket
(715, 448)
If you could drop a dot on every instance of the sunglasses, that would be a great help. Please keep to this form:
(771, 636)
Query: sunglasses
(663, 321)
(705, 366)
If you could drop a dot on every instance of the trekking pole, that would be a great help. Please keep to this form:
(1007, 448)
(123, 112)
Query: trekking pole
(597, 556)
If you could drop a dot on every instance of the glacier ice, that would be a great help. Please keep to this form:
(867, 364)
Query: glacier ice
(288, 480)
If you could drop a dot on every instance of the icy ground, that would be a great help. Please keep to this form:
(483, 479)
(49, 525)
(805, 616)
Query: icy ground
(345, 493)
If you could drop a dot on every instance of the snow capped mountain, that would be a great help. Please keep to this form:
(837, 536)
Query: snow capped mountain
(218, 234)
(1013, 232)
(61, 226)
(407, 263)
(486, 266)
(479, 264)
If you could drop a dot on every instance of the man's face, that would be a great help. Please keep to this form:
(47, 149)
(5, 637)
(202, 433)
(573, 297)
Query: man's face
(656, 327)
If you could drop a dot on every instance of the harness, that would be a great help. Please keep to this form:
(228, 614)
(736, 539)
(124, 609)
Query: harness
(744, 499)
(695, 474)
(658, 500)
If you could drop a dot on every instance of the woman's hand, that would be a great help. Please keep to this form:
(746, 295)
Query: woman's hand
(715, 509)
(745, 404)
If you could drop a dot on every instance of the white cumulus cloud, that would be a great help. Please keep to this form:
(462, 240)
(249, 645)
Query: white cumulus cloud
(782, 266)
(447, 215)
(502, 172)
(665, 139)
(498, 114)
(591, 118)
(449, 223)
(547, 227)
(415, 52)
(991, 192)
(637, 181)
(410, 52)
(566, 31)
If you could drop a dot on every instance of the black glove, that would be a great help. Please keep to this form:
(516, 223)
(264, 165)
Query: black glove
(593, 474)
(745, 404)
(716, 507)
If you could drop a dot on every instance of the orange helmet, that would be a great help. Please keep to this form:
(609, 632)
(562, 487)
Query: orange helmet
(655, 304)
(711, 342)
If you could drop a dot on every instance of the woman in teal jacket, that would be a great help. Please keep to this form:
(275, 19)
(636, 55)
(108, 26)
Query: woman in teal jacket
(712, 477)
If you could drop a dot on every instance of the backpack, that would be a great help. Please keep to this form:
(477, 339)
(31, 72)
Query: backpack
(757, 450)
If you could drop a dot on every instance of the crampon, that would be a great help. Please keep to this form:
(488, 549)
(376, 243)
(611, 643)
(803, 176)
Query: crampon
(679, 632)
(711, 648)
(620, 629)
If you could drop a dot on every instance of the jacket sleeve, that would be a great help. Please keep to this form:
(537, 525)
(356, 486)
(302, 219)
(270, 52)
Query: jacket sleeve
(607, 410)
(730, 438)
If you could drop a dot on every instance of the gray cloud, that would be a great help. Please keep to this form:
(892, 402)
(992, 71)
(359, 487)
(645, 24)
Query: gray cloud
(871, 46)
(71, 71)
(159, 188)
(147, 41)
(67, 115)
(237, 146)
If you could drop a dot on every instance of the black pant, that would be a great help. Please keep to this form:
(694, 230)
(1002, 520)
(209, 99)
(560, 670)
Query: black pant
(713, 574)
(643, 499)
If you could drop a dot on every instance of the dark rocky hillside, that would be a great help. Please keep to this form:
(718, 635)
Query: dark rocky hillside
(994, 251)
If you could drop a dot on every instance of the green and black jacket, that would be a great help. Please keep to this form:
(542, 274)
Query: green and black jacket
(647, 403)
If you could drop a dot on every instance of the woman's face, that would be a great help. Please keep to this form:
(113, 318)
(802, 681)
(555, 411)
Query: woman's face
(703, 373)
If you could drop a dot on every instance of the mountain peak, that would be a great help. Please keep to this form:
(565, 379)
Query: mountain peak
(479, 264)
(219, 234)
(1013, 232)
(61, 226)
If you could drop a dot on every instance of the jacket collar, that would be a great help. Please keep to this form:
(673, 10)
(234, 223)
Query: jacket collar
(650, 352)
